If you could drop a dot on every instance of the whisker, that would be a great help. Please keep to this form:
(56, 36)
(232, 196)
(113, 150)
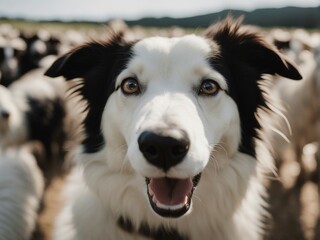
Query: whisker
(220, 146)
(215, 163)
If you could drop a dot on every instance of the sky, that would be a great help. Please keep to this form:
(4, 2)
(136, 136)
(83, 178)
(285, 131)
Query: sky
(99, 10)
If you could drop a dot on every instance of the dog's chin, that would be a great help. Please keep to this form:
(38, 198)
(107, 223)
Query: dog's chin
(171, 197)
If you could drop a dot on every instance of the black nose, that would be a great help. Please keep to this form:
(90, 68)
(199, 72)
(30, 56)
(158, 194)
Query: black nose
(163, 151)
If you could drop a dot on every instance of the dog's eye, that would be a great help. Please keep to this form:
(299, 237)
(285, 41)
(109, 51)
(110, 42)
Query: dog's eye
(130, 86)
(209, 87)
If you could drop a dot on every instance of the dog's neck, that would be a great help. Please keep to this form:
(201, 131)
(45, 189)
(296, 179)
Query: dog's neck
(160, 233)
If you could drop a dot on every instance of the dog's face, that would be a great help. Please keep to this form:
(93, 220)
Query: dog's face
(174, 109)
(170, 101)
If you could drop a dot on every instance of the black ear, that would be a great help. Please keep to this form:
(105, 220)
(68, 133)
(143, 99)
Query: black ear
(81, 60)
(77, 62)
(70, 65)
(244, 44)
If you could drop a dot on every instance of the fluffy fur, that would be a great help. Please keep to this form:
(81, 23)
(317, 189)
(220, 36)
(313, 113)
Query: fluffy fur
(21, 189)
(109, 194)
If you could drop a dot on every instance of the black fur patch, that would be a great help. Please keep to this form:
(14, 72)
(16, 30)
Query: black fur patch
(98, 64)
(160, 233)
(243, 59)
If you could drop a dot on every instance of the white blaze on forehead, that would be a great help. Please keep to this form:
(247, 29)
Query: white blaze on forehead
(193, 43)
(173, 59)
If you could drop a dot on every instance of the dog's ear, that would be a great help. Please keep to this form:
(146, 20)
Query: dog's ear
(243, 44)
(79, 61)
(75, 63)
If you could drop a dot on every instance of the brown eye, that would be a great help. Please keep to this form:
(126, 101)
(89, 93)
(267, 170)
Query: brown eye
(209, 87)
(130, 86)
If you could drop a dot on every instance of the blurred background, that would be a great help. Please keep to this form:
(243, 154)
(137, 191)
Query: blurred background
(34, 32)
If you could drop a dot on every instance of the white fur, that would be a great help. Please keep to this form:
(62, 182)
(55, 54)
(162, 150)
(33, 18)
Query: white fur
(21, 188)
(227, 203)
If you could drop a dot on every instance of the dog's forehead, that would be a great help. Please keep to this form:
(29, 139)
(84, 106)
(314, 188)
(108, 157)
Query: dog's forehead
(164, 45)
(190, 49)
(173, 59)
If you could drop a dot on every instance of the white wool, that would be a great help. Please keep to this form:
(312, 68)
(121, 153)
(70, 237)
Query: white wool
(21, 188)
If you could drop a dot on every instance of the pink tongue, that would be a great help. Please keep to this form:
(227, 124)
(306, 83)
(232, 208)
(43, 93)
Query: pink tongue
(170, 191)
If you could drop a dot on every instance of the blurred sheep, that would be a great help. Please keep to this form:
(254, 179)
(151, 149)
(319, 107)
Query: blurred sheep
(33, 108)
(21, 189)
(302, 102)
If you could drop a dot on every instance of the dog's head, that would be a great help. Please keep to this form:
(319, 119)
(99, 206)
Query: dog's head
(166, 103)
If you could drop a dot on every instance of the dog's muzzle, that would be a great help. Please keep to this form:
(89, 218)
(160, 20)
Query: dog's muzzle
(168, 197)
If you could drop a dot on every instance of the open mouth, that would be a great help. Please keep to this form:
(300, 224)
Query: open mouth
(171, 197)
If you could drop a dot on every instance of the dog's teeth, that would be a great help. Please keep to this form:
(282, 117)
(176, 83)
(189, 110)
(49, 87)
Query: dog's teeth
(150, 192)
(174, 207)
(154, 199)
(185, 200)
(160, 205)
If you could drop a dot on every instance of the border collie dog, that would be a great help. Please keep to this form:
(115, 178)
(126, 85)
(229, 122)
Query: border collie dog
(171, 136)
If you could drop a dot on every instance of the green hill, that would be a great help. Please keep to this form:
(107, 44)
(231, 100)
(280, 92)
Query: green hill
(270, 17)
